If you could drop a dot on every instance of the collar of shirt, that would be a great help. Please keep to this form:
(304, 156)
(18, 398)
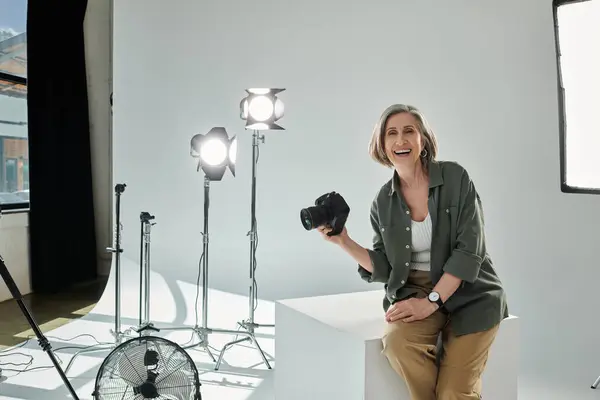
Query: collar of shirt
(434, 171)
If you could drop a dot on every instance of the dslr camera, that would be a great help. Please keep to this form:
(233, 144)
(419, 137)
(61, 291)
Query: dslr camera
(330, 210)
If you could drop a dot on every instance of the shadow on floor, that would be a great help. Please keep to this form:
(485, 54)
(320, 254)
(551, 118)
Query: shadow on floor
(50, 311)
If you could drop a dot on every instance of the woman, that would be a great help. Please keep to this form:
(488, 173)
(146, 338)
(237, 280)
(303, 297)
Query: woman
(429, 249)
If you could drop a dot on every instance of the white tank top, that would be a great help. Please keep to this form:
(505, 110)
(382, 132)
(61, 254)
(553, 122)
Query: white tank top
(421, 244)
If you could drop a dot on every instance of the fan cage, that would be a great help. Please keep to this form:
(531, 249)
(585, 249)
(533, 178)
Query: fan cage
(147, 367)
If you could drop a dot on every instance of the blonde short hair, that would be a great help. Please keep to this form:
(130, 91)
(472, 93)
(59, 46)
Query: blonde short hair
(377, 143)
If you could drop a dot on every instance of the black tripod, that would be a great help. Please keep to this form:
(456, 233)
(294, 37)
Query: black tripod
(44, 344)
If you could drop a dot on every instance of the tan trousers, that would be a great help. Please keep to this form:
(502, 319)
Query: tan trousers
(411, 347)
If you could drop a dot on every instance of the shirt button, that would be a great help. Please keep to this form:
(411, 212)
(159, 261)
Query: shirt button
(408, 212)
(408, 228)
(382, 229)
(402, 282)
(447, 211)
(407, 264)
(407, 246)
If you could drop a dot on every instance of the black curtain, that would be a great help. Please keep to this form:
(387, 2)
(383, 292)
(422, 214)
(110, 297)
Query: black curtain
(61, 224)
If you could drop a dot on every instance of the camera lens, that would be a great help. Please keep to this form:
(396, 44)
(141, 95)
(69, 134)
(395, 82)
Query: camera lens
(313, 217)
(306, 219)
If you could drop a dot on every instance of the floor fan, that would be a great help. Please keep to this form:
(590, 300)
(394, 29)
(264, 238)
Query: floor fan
(147, 367)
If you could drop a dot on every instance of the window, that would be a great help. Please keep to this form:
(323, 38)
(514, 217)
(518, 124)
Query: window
(577, 35)
(14, 155)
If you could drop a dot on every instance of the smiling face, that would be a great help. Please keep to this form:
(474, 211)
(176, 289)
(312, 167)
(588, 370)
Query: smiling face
(402, 137)
(403, 140)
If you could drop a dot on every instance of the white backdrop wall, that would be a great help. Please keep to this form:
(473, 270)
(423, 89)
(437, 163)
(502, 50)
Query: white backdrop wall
(483, 72)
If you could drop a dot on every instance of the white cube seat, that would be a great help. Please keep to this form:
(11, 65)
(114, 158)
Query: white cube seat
(329, 347)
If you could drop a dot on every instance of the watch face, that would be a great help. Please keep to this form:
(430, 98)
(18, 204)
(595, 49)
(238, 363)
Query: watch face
(434, 296)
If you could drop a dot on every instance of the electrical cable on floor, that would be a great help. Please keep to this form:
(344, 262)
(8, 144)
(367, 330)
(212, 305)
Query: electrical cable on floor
(11, 353)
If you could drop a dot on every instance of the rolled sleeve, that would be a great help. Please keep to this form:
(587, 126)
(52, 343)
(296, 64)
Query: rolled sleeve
(469, 252)
(379, 260)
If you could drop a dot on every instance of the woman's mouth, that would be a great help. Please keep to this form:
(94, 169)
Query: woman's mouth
(402, 153)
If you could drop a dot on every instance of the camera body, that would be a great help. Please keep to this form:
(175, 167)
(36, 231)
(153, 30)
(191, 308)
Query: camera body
(330, 210)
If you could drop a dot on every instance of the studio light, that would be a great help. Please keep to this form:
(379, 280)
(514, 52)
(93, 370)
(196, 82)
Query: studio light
(261, 109)
(215, 152)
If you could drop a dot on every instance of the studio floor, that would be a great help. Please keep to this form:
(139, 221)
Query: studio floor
(85, 316)
(50, 311)
(74, 321)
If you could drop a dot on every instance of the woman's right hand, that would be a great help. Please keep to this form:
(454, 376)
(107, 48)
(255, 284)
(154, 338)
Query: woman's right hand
(355, 250)
(337, 239)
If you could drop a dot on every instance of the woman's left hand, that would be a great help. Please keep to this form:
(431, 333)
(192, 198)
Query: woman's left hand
(410, 310)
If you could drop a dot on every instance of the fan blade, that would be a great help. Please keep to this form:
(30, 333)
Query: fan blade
(131, 364)
(174, 385)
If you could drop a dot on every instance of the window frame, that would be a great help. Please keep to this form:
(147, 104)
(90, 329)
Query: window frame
(562, 117)
(24, 205)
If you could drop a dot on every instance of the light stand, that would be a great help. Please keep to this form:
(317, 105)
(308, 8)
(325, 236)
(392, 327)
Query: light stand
(216, 152)
(144, 313)
(43, 341)
(250, 325)
(117, 250)
(204, 330)
(260, 110)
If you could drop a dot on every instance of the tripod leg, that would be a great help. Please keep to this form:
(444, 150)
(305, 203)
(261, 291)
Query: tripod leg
(265, 325)
(210, 354)
(262, 354)
(596, 382)
(202, 337)
(225, 348)
(252, 338)
(43, 341)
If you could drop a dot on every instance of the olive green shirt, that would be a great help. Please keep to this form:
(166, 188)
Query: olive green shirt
(458, 247)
